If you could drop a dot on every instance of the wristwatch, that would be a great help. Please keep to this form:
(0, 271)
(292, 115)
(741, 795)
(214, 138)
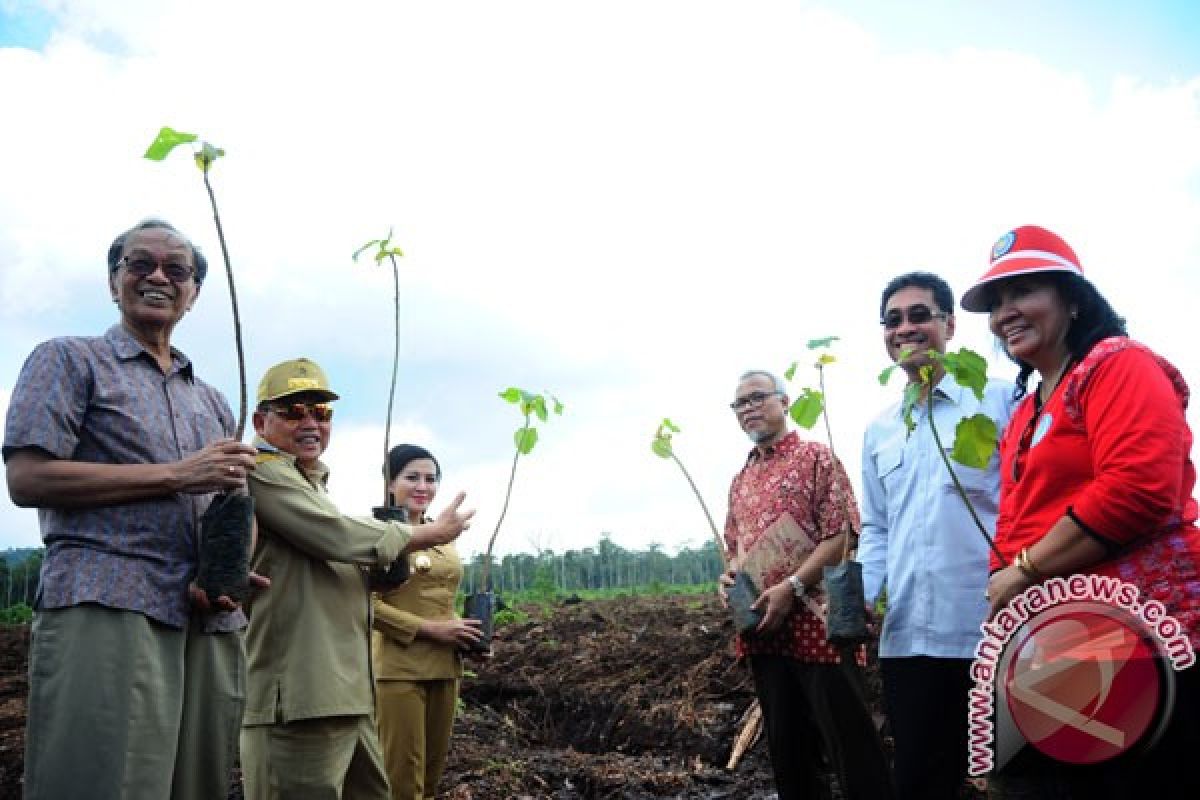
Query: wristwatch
(798, 587)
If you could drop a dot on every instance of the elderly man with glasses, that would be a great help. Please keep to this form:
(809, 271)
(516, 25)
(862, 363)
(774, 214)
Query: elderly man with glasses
(790, 508)
(309, 729)
(135, 682)
(920, 543)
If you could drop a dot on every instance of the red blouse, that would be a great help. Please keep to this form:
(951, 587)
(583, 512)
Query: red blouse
(1111, 448)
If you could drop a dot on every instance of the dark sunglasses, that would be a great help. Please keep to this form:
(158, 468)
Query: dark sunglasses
(141, 267)
(294, 412)
(917, 315)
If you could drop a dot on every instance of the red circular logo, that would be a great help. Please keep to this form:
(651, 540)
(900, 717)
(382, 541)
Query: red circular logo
(1085, 682)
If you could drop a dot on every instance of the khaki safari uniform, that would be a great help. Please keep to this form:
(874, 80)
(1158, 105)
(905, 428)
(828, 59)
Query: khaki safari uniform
(308, 730)
(416, 679)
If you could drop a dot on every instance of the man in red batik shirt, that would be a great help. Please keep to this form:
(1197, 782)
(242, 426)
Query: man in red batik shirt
(793, 500)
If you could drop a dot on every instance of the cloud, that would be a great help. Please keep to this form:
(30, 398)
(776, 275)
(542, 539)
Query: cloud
(627, 204)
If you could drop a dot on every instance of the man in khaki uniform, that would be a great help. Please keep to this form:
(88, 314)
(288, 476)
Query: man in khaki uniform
(309, 730)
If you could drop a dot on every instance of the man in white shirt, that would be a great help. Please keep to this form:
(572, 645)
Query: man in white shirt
(920, 544)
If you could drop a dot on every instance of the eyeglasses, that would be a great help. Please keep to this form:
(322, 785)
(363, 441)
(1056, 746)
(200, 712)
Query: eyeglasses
(294, 412)
(917, 315)
(141, 267)
(752, 400)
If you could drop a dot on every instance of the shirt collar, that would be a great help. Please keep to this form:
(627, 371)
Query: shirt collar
(320, 472)
(787, 444)
(947, 389)
(127, 347)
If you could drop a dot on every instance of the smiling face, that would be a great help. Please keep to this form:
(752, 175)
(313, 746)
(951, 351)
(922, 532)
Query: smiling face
(305, 438)
(1030, 318)
(919, 337)
(415, 486)
(763, 410)
(153, 302)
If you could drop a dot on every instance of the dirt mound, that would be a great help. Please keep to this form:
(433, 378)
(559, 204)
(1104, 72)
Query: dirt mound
(624, 698)
(14, 686)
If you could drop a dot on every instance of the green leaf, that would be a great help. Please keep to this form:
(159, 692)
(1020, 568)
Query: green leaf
(886, 375)
(366, 247)
(671, 426)
(557, 406)
(206, 155)
(826, 359)
(539, 408)
(525, 438)
(974, 441)
(912, 393)
(661, 447)
(968, 368)
(790, 372)
(807, 408)
(512, 394)
(166, 141)
(817, 344)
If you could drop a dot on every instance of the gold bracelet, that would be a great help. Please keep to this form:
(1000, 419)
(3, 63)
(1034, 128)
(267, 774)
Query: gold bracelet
(1026, 565)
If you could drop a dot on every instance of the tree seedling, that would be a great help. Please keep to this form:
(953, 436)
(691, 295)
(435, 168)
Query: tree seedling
(663, 447)
(743, 592)
(974, 437)
(227, 523)
(845, 620)
(384, 249)
(534, 408)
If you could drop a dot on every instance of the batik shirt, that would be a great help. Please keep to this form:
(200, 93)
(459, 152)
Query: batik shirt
(105, 400)
(799, 480)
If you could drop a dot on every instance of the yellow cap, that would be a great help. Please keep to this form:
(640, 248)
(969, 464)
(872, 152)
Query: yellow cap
(293, 377)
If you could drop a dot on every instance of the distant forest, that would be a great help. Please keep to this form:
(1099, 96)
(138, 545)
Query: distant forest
(607, 565)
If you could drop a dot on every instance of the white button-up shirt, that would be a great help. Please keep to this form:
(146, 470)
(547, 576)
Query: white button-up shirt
(918, 538)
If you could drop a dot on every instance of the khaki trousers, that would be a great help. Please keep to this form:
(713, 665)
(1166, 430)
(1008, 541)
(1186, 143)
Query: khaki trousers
(326, 758)
(415, 722)
(125, 708)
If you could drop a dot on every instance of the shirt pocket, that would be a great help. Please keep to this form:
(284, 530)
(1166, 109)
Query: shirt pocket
(982, 484)
(889, 463)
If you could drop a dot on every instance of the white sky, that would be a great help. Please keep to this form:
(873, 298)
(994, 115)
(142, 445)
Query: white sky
(626, 203)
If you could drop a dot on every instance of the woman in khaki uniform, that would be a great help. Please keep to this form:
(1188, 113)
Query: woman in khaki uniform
(417, 642)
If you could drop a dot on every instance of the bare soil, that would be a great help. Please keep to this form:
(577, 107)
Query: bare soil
(626, 698)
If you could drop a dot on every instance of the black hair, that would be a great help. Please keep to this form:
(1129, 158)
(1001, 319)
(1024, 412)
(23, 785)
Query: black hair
(402, 454)
(922, 280)
(118, 246)
(1094, 319)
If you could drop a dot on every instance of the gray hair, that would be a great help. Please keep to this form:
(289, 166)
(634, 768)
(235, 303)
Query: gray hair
(771, 376)
(118, 246)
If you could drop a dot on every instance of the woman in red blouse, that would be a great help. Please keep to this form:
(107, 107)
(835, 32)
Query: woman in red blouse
(1096, 478)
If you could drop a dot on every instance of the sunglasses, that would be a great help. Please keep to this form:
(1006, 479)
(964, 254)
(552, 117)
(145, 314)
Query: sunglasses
(141, 267)
(294, 412)
(917, 315)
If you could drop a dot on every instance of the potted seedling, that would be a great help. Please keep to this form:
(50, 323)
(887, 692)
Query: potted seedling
(398, 572)
(743, 593)
(482, 604)
(974, 437)
(845, 620)
(225, 528)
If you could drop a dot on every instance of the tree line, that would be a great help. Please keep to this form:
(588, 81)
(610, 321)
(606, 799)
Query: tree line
(606, 565)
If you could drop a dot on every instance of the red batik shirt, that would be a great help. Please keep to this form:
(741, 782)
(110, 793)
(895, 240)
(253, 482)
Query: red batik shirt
(1111, 449)
(801, 479)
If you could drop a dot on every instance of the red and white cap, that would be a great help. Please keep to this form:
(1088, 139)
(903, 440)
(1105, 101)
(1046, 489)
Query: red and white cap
(1022, 251)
